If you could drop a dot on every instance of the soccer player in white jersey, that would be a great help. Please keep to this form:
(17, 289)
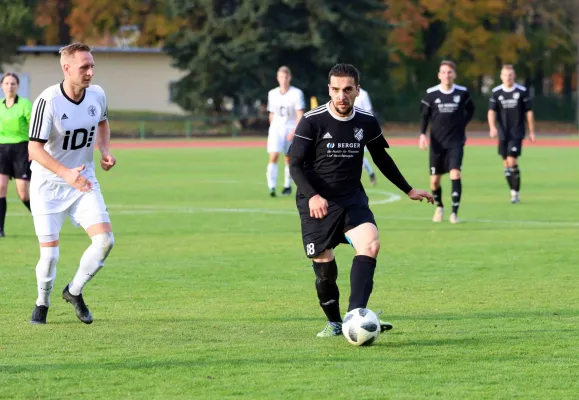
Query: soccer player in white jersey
(286, 107)
(68, 120)
(363, 102)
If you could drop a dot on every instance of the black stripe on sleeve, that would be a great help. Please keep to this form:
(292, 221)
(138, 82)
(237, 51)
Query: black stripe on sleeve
(37, 126)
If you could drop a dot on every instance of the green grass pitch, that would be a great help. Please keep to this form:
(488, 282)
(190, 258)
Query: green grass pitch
(208, 293)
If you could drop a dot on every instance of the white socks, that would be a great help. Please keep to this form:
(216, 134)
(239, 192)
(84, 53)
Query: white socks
(368, 166)
(45, 274)
(271, 175)
(287, 179)
(92, 261)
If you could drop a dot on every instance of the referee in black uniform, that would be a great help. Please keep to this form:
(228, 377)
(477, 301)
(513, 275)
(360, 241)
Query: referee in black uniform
(326, 165)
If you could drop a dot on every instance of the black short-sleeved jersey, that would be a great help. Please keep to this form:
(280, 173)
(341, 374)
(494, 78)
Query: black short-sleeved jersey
(511, 106)
(448, 112)
(332, 148)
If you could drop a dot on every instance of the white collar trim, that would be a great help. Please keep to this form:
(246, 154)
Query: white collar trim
(338, 117)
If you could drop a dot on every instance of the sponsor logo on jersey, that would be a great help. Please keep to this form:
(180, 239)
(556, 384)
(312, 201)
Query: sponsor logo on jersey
(327, 136)
(343, 145)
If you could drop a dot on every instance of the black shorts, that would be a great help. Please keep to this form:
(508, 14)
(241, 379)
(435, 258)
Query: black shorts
(327, 233)
(14, 160)
(443, 160)
(510, 148)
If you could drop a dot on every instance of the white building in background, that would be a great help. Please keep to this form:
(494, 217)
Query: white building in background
(134, 79)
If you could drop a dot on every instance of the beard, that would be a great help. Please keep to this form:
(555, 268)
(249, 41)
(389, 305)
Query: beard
(345, 110)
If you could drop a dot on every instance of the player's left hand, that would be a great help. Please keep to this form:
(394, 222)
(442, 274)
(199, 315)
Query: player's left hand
(107, 161)
(290, 136)
(532, 137)
(421, 195)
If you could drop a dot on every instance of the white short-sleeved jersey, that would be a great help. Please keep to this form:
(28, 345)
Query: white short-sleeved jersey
(363, 101)
(68, 129)
(284, 106)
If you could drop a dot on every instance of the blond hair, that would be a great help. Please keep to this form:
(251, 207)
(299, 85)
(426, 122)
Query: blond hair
(74, 48)
(284, 69)
(71, 50)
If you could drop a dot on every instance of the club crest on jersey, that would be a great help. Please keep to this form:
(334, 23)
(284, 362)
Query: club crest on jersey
(358, 134)
(516, 95)
(92, 111)
(456, 99)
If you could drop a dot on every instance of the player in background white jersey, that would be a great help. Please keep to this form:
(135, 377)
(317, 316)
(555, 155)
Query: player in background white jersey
(286, 107)
(68, 120)
(363, 102)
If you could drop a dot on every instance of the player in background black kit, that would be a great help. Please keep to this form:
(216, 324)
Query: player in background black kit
(510, 106)
(449, 109)
(326, 165)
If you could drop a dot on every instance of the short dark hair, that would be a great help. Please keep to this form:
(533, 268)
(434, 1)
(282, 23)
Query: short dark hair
(343, 70)
(449, 63)
(12, 74)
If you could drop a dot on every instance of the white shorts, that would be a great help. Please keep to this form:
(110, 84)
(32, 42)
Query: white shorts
(277, 139)
(52, 203)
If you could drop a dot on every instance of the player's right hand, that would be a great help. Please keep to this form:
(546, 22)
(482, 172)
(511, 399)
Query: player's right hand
(422, 142)
(74, 178)
(421, 195)
(494, 133)
(318, 207)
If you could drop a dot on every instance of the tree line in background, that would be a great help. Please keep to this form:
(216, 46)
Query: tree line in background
(232, 48)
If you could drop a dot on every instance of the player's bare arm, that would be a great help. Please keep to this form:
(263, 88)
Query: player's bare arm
(424, 119)
(299, 115)
(422, 141)
(390, 170)
(492, 119)
(103, 141)
(531, 124)
(72, 176)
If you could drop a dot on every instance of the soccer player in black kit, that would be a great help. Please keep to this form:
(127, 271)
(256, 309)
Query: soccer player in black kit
(448, 108)
(326, 164)
(510, 106)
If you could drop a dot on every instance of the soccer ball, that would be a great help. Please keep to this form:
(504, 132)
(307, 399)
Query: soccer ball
(361, 327)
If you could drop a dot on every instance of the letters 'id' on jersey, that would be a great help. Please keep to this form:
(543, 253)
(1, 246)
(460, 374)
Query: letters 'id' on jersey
(284, 105)
(337, 144)
(68, 128)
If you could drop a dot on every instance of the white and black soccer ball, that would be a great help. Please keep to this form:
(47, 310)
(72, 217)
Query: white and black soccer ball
(361, 327)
